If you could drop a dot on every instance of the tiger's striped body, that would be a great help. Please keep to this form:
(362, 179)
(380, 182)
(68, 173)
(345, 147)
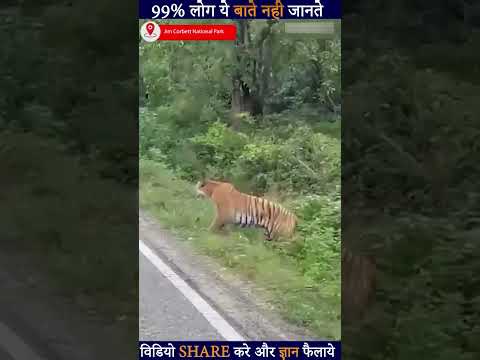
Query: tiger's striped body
(235, 207)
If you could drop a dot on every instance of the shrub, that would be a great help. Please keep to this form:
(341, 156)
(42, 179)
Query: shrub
(220, 146)
(319, 226)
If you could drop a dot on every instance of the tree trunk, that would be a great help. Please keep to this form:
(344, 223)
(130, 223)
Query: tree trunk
(266, 77)
(252, 99)
(358, 285)
(237, 97)
(244, 98)
(264, 68)
(142, 89)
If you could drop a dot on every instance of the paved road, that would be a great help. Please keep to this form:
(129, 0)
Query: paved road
(4, 355)
(14, 346)
(37, 323)
(165, 313)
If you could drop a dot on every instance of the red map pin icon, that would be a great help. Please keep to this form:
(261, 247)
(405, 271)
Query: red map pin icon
(149, 28)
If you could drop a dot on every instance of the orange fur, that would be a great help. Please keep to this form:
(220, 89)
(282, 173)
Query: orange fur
(235, 207)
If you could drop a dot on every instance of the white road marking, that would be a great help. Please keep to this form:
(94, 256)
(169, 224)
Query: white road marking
(15, 346)
(212, 316)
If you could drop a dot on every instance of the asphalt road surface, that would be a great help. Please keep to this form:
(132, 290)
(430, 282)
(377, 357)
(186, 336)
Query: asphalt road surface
(14, 346)
(165, 313)
(5, 355)
(38, 323)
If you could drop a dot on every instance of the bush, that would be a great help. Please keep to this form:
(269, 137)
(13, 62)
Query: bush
(154, 131)
(304, 160)
(319, 226)
(220, 146)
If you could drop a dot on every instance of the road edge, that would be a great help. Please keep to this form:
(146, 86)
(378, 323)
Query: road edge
(235, 299)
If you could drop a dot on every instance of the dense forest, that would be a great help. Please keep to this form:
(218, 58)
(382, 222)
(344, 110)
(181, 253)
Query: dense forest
(263, 113)
(68, 146)
(410, 187)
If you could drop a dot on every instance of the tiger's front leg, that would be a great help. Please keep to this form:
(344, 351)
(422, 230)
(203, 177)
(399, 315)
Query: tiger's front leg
(268, 236)
(217, 223)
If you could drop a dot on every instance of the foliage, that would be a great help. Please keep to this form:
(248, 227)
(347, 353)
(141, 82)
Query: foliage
(67, 125)
(38, 188)
(409, 170)
(321, 230)
(220, 146)
(288, 149)
(48, 93)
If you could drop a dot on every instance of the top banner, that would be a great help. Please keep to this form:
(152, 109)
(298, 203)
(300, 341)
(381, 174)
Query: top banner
(240, 9)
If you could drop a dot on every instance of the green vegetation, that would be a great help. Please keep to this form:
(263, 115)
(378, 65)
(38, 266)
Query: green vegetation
(410, 177)
(55, 214)
(69, 203)
(263, 114)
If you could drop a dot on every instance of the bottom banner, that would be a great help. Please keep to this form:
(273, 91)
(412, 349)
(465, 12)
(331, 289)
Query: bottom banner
(240, 349)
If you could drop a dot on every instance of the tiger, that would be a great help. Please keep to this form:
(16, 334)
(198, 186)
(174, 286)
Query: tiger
(237, 208)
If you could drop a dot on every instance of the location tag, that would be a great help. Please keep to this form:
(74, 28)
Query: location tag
(150, 28)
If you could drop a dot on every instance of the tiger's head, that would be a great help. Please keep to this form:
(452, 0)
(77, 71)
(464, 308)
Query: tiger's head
(206, 187)
(203, 188)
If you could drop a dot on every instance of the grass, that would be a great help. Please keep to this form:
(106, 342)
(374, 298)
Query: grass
(174, 203)
(73, 225)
